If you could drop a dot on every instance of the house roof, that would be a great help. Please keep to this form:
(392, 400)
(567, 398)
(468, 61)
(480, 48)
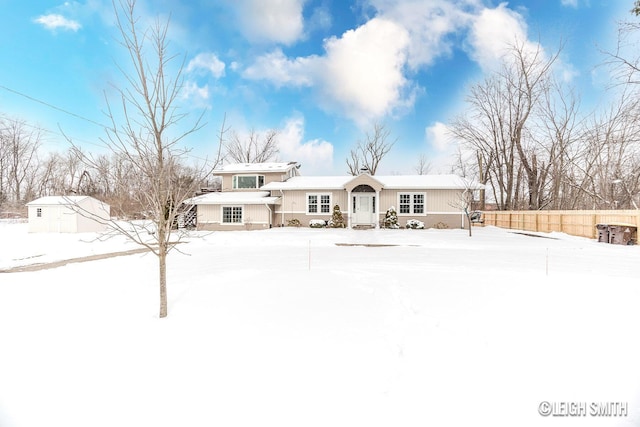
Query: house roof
(240, 197)
(255, 167)
(395, 182)
(429, 182)
(59, 200)
(309, 183)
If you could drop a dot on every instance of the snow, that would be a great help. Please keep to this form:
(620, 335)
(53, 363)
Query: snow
(328, 327)
(247, 198)
(396, 182)
(256, 167)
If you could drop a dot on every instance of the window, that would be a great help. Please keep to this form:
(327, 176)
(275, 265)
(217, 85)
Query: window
(411, 203)
(247, 181)
(318, 203)
(405, 204)
(39, 212)
(232, 214)
(418, 203)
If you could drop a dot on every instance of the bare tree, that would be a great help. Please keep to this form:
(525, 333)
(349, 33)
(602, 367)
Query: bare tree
(466, 199)
(498, 127)
(424, 166)
(369, 153)
(144, 137)
(254, 148)
(624, 60)
(20, 144)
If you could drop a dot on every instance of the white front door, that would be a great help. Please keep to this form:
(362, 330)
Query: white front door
(364, 209)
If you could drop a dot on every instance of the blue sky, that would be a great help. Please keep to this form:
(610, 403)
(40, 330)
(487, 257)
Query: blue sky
(323, 72)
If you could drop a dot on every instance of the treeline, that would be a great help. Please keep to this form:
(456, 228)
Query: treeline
(28, 172)
(525, 136)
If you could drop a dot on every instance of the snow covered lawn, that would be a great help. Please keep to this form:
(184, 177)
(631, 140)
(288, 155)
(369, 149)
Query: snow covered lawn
(302, 327)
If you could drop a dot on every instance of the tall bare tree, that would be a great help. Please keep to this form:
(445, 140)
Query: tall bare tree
(369, 153)
(254, 148)
(498, 127)
(145, 135)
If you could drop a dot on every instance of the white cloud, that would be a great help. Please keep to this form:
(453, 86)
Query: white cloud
(208, 62)
(197, 95)
(282, 71)
(320, 19)
(363, 70)
(429, 23)
(54, 21)
(316, 156)
(278, 21)
(493, 32)
(360, 76)
(569, 3)
(437, 135)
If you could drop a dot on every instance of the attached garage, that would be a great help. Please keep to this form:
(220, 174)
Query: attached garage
(67, 214)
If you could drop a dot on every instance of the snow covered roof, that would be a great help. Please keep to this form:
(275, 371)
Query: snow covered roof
(58, 200)
(240, 197)
(310, 183)
(396, 182)
(255, 167)
(429, 182)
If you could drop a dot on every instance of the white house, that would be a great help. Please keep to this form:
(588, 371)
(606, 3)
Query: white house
(67, 214)
(264, 195)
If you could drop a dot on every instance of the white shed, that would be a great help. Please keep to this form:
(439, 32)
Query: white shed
(67, 214)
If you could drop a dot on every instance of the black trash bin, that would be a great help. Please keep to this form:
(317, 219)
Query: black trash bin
(622, 234)
(603, 232)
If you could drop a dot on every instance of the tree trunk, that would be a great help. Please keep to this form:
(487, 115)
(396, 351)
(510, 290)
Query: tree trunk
(162, 264)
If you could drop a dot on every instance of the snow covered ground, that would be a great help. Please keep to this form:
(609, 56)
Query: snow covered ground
(306, 327)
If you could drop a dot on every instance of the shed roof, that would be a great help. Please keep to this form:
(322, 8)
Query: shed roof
(59, 200)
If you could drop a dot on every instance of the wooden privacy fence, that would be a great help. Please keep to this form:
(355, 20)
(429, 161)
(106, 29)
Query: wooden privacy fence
(575, 223)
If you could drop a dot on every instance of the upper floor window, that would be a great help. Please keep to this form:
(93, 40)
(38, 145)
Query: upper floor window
(247, 181)
(411, 203)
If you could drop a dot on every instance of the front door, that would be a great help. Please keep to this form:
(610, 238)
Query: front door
(364, 209)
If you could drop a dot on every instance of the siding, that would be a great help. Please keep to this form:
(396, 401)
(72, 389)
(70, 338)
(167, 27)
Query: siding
(436, 200)
(253, 217)
(68, 218)
(227, 180)
(294, 205)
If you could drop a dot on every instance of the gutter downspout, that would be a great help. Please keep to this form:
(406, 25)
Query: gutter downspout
(282, 209)
(270, 214)
(349, 208)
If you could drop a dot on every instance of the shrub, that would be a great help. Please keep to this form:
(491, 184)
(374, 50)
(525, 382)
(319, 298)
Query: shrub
(441, 226)
(414, 224)
(293, 222)
(337, 220)
(317, 223)
(391, 218)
